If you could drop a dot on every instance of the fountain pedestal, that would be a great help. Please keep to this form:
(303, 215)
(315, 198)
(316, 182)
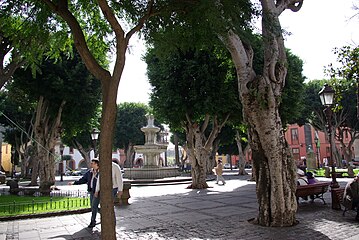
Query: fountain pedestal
(151, 151)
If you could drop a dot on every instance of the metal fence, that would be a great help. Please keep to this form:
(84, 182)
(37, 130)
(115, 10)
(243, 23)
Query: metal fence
(51, 205)
(62, 193)
(53, 193)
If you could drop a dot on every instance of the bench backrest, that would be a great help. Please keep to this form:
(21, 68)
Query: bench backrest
(312, 189)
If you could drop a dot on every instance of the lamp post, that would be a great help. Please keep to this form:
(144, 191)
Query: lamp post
(13, 161)
(94, 137)
(326, 95)
(62, 147)
(316, 141)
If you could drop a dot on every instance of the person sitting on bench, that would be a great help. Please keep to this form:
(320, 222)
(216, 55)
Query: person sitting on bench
(311, 179)
(301, 178)
(351, 195)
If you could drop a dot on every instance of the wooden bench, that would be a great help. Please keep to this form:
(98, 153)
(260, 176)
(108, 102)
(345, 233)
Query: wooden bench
(338, 194)
(315, 190)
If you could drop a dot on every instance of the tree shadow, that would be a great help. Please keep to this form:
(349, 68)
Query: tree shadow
(85, 233)
(214, 213)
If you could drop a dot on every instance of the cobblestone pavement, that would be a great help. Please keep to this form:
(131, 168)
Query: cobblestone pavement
(174, 212)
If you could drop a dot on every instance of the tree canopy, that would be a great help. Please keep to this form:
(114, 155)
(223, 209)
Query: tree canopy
(192, 83)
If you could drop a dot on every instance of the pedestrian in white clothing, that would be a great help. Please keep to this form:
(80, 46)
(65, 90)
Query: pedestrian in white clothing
(117, 181)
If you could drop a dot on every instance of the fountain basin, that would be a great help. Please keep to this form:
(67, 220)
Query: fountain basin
(151, 172)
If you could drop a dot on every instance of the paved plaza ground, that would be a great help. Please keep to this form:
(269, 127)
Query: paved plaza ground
(174, 212)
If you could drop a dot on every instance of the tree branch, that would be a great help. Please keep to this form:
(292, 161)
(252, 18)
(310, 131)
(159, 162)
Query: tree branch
(242, 56)
(111, 18)
(205, 123)
(142, 20)
(79, 39)
(293, 5)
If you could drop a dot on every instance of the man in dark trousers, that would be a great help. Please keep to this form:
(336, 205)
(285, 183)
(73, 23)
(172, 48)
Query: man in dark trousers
(91, 178)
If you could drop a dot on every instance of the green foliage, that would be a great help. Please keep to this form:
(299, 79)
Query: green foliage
(312, 105)
(66, 80)
(346, 100)
(196, 24)
(348, 58)
(16, 114)
(195, 82)
(32, 33)
(345, 78)
(131, 117)
(228, 143)
(292, 107)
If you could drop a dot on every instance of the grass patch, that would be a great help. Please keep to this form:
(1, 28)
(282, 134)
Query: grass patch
(321, 172)
(19, 205)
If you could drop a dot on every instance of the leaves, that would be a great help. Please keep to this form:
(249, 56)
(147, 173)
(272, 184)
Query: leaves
(131, 117)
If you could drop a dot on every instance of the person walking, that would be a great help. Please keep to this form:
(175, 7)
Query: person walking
(91, 178)
(219, 171)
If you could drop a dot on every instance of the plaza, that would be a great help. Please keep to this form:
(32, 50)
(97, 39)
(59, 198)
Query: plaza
(174, 212)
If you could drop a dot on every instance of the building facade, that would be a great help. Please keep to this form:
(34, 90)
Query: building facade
(302, 142)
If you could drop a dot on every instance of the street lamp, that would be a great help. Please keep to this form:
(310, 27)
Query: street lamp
(94, 137)
(316, 141)
(62, 147)
(326, 95)
(13, 161)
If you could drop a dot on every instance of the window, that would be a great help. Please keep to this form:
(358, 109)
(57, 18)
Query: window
(295, 152)
(294, 135)
(71, 150)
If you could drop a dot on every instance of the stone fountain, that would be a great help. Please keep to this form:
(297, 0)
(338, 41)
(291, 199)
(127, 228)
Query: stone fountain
(151, 151)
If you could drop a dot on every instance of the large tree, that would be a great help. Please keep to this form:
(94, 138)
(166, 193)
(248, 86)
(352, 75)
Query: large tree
(131, 118)
(345, 80)
(344, 117)
(75, 87)
(260, 94)
(194, 90)
(98, 27)
(16, 115)
(348, 70)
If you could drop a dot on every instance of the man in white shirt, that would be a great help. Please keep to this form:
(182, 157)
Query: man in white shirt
(117, 182)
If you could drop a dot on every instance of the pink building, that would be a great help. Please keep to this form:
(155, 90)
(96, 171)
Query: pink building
(301, 140)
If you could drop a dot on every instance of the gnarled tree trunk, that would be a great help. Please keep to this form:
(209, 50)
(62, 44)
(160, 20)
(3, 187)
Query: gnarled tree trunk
(260, 96)
(199, 148)
(47, 132)
(212, 158)
(129, 151)
(242, 160)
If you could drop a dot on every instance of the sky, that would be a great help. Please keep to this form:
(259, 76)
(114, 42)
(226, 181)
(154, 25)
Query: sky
(319, 27)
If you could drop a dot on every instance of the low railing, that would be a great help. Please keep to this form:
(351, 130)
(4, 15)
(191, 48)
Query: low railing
(43, 206)
(64, 193)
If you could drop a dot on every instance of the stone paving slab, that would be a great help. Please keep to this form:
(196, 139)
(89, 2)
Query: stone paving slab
(174, 212)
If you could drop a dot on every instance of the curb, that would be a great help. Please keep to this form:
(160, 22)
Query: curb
(149, 182)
